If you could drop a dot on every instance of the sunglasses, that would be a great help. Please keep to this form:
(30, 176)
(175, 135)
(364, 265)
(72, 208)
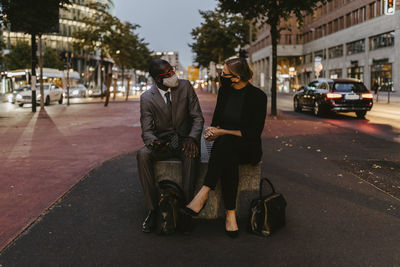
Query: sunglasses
(168, 74)
(223, 74)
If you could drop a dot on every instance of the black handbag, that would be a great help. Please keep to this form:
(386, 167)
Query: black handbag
(172, 199)
(267, 213)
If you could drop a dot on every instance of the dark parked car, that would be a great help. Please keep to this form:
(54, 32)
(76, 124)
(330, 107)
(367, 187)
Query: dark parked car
(334, 95)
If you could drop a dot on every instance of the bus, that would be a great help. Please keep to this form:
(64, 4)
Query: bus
(12, 80)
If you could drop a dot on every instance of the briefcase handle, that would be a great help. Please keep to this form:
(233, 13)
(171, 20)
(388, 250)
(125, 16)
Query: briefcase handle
(261, 186)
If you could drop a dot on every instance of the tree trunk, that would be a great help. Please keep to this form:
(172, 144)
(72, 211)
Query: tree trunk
(115, 88)
(33, 71)
(108, 84)
(123, 77)
(274, 39)
(41, 72)
(101, 77)
(128, 88)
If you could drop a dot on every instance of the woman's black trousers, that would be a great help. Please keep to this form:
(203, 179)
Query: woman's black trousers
(224, 164)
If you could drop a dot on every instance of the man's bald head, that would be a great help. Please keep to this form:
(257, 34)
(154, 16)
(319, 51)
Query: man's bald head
(158, 66)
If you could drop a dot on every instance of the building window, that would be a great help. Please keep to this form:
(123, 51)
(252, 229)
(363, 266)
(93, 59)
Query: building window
(335, 73)
(379, 8)
(381, 75)
(320, 53)
(308, 58)
(330, 27)
(355, 17)
(355, 72)
(348, 20)
(341, 23)
(381, 40)
(363, 14)
(372, 10)
(355, 47)
(335, 25)
(336, 51)
(298, 39)
(288, 39)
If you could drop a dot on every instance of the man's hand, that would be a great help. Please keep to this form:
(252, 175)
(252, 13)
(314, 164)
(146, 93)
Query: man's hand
(190, 148)
(158, 146)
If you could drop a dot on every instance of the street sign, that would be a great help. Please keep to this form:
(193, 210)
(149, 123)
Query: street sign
(318, 65)
(193, 73)
(390, 6)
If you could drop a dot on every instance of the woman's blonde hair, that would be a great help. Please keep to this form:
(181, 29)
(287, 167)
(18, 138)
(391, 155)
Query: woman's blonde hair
(239, 67)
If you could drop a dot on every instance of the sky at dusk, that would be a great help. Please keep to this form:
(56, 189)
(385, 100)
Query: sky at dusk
(165, 24)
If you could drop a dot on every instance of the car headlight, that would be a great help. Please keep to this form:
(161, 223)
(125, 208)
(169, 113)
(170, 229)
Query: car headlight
(90, 92)
(38, 96)
(75, 92)
(18, 96)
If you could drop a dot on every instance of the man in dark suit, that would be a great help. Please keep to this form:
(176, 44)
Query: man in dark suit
(172, 123)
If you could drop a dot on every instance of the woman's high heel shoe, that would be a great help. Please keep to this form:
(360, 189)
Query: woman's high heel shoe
(190, 212)
(232, 234)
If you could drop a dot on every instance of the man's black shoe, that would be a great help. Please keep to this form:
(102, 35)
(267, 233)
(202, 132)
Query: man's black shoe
(148, 223)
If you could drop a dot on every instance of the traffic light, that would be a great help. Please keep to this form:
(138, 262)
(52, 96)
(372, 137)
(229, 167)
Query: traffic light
(390, 6)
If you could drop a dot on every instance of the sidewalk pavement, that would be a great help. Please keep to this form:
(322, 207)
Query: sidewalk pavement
(336, 217)
(44, 154)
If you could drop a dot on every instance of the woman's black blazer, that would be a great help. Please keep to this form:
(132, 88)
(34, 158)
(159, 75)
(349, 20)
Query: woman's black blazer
(254, 111)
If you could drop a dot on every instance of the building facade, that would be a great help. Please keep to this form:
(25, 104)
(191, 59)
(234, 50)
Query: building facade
(343, 38)
(70, 21)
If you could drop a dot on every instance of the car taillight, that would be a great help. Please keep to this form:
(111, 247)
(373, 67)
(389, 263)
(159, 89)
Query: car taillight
(367, 96)
(333, 96)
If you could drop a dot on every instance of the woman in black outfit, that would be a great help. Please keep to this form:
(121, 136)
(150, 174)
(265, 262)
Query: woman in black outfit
(236, 128)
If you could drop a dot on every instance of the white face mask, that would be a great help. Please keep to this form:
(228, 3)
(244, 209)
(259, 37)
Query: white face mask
(172, 81)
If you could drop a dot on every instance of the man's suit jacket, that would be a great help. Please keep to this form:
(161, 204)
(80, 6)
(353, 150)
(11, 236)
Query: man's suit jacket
(187, 118)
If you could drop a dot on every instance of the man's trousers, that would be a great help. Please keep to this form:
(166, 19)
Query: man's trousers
(146, 160)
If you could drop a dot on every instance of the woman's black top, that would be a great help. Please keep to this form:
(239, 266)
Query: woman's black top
(233, 110)
(249, 118)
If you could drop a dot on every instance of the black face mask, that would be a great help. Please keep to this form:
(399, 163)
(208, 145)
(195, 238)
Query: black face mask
(225, 82)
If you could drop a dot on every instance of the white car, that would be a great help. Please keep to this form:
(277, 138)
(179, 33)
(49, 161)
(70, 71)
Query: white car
(78, 90)
(96, 92)
(52, 93)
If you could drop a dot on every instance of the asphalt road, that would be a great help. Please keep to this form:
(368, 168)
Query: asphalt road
(383, 121)
(342, 187)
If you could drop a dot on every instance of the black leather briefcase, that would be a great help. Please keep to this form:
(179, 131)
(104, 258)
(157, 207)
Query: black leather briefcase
(268, 212)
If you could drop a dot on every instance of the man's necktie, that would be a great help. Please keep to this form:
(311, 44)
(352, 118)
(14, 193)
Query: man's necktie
(169, 104)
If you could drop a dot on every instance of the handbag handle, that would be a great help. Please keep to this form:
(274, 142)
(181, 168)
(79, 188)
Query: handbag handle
(261, 186)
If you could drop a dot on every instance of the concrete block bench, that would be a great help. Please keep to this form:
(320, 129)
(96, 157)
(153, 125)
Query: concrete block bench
(249, 179)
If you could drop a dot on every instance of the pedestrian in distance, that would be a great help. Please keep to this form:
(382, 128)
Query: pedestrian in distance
(236, 128)
(375, 86)
(172, 124)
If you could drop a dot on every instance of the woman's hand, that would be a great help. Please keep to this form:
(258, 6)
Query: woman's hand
(213, 133)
